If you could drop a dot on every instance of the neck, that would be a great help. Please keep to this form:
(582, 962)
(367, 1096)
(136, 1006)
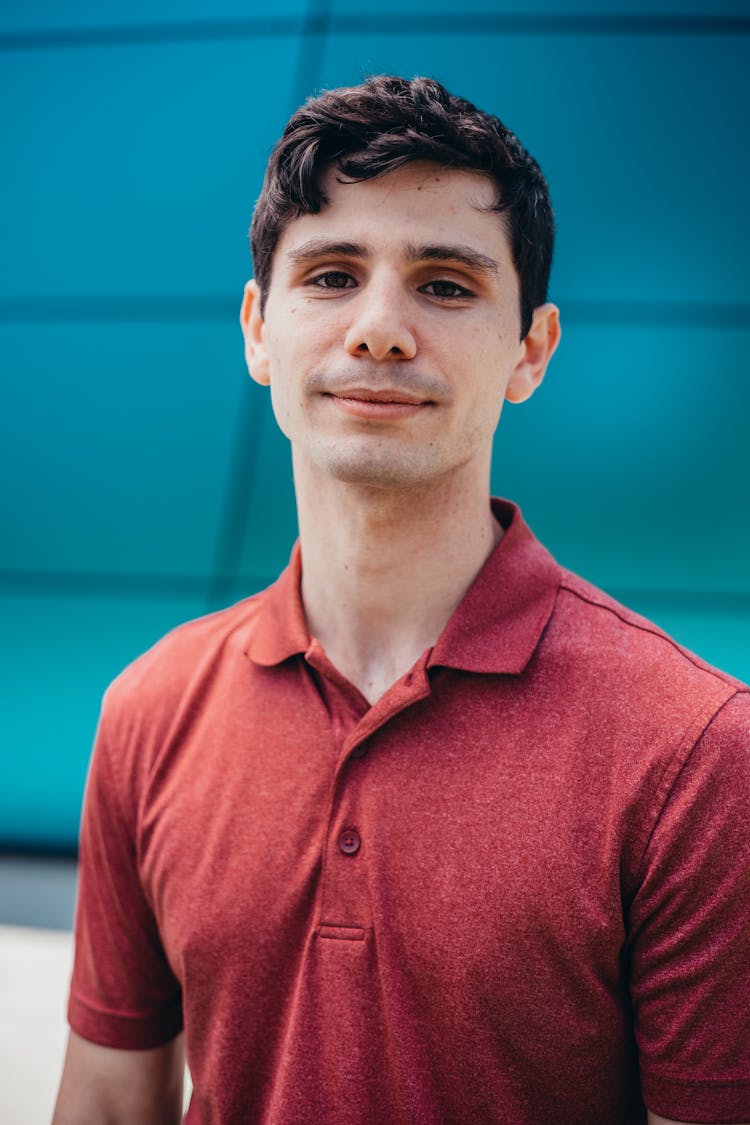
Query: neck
(383, 570)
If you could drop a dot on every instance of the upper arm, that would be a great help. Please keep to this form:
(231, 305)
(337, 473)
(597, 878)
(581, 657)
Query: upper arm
(123, 992)
(688, 923)
(119, 1087)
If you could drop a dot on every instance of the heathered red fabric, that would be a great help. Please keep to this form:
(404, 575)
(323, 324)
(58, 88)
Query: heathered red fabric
(544, 886)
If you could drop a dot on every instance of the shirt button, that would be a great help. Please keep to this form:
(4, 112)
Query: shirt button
(349, 842)
(359, 751)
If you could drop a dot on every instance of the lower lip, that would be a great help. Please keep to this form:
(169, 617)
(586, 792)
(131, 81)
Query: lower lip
(386, 411)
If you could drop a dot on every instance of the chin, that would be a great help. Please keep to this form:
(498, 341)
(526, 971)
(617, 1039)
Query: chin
(378, 468)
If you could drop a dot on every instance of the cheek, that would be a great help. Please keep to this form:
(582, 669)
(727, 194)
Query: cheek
(281, 407)
(299, 337)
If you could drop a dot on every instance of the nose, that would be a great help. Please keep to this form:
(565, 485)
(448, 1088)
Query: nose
(379, 326)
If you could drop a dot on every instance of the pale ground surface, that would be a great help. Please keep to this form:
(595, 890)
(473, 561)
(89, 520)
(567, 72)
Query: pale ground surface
(34, 973)
(36, 949)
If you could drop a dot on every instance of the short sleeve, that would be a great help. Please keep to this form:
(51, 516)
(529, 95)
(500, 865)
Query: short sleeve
(689, 925)
(123, 993)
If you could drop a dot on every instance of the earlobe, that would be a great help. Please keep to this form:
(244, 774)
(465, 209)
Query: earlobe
(251, 321)
(537, 349)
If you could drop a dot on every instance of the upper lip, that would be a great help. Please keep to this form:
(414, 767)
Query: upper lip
(382, 394)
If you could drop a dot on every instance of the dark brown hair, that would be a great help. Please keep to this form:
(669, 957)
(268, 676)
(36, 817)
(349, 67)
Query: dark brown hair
(368, 130)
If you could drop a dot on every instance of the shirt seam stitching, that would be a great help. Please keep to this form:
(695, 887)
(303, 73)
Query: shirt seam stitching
(684, 749)
(654, 631)
(658, 1075)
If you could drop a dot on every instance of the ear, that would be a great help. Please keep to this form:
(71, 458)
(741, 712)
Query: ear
(537, 349)
(253, 329)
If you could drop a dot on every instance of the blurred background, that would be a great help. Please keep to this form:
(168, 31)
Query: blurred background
(144, 479)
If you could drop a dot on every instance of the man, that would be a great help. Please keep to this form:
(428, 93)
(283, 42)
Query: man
(431, 831)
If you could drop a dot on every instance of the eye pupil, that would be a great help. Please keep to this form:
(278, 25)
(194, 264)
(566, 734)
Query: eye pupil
(335, 279)
(447, 289)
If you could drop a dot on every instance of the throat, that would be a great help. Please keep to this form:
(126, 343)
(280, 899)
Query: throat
(372, 678)
(380, 582)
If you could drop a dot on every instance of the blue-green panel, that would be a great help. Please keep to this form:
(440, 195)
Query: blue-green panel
(720, 634)
(130, 433)
(554, 8)
(49, 15)
(116, 443)
(640, 137)
(60, 654)
(53, 15)
(133, 170)
(632, 459)
(272, 517)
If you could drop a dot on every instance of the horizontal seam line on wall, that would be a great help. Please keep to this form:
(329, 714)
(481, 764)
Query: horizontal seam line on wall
(449, 23)
(12, 849)
(721, 601)
(54, 583)
(696, 314)
(219, 308)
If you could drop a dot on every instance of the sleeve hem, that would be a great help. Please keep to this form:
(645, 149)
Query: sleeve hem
(715, 1101)
(126, 1031)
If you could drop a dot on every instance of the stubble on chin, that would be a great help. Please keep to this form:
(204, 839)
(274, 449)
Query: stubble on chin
(377, 464)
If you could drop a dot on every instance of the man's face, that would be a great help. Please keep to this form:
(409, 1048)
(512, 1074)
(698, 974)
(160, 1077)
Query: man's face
(390, 337)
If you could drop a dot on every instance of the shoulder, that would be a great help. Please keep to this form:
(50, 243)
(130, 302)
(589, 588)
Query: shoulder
(182, 680)
(631, 690)
(181, 661)
(660, 731)
(614, 643)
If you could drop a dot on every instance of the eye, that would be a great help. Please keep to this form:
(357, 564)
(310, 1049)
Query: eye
(446, 290)
(333, 279)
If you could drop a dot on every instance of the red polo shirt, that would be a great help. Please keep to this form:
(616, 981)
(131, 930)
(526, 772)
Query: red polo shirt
(516, 889)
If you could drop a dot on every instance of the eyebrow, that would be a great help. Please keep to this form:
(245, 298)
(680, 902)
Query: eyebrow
(451, 252)
(323, 248)
(467, 256)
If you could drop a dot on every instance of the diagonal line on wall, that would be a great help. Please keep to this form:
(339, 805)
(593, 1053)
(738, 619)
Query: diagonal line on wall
(307, 74)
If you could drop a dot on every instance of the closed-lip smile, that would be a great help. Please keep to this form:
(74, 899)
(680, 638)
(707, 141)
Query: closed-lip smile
(383, 395)
(384, 404)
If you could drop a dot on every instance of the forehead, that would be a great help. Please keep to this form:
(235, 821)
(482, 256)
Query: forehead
(419, 202)
(473, 188)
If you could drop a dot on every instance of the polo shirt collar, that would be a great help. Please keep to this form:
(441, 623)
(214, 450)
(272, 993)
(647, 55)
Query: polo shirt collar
(495, 628)
(502, 616)
(279, 629)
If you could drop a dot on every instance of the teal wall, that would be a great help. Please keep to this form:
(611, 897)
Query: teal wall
(144, 480)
